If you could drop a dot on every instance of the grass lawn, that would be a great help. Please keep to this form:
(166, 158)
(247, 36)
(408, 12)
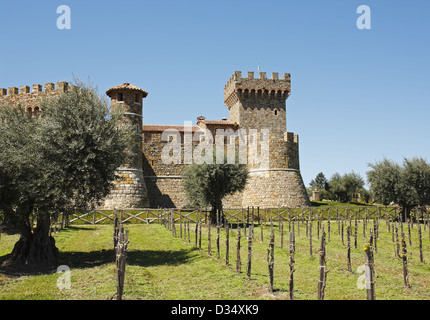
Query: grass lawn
(159, 266)
(162, 266)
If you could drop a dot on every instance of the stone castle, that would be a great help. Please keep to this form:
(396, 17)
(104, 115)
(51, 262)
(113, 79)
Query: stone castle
(145, 181)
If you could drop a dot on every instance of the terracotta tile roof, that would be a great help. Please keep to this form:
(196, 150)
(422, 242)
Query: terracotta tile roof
(218, 122)
(126, 86)
(162, 127)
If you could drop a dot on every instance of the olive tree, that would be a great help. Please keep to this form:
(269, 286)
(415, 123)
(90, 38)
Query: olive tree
(343, 187)
(407, 185)
(62, 161)
(207, 184)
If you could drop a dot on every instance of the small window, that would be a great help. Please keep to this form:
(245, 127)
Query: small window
(136, 98)
(276, 112)
(120, 97)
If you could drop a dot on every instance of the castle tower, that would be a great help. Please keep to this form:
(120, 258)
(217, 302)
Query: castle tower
(130, 190)
(259, 104)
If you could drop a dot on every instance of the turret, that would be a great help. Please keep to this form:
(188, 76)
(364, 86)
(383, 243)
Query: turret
(130, 190)
(259, 105)
(256, 103)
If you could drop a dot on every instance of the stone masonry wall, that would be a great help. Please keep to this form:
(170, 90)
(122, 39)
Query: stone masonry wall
(270, 189)
(30, 99)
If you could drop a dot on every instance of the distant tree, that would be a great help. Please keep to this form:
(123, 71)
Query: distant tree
(320, 182)
(337, 188)
(344, 187)
(417, 172)
(207, 184)
(61, 161)
(407, 185)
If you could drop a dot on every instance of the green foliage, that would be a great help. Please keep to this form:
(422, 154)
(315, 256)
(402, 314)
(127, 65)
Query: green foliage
(407, 185)
(417, 175)
(207, 184)
(344, 187)
(63, 160)
(320, 182)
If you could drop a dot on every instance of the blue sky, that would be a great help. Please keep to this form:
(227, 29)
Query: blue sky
(357, 95)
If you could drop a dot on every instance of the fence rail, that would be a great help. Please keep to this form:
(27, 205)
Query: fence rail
(242, 215)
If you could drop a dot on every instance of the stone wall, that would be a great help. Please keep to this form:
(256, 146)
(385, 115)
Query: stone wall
(128, 191)
(30, 99)
(275, 188)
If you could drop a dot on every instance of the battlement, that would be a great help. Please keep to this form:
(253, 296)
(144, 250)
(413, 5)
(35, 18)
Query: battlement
(291, 137)
(261, 86)
(62, 86)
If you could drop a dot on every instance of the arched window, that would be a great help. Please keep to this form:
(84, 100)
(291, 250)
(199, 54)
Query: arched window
(276, 112)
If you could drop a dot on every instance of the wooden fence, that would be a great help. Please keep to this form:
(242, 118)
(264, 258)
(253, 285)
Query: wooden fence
(242, 216)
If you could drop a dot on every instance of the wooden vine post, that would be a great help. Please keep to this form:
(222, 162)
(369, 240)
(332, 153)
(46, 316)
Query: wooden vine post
(369, 269)
(348, 252)
(188, 229)
(227, 243)
(261, 225)
(121, 253)
(397, 241)
(310, 238)
(250, 231)
(291, 288)
(238, 262)
(420, 242)
(271, 258)
(405, 262)
(322, 267)
(209, 238)
(200, 234)
(196, 230)
(218, 230)
(355, 232)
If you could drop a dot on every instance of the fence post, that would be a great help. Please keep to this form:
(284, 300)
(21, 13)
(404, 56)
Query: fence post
(310, 238)
(348, 252)
(405, 262)
(249, 251)
(115, 231)
(209, 238)
(397, 241)
(217, 239)
(291, 291)
(121, 252)
(271, 257)
(420, 239)
(322, 267)
(238, 262)
(196, 230)
(227, 243)
(369, 270)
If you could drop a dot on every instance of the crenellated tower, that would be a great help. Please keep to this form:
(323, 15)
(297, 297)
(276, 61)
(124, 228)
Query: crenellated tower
(30, 98)
(259, 105)
(129, 190)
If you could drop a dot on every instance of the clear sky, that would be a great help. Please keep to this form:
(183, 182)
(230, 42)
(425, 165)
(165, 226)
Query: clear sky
(357, 95)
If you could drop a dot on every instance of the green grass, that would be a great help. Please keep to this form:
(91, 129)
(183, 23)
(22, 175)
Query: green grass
(338, 204)
(162, 266)
(159, 266)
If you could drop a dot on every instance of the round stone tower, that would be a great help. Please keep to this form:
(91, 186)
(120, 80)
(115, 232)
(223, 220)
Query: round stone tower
(258, 105)
(130, 189)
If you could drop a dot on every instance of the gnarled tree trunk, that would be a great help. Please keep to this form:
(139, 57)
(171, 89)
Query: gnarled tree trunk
(37, 248)
(217, 216)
